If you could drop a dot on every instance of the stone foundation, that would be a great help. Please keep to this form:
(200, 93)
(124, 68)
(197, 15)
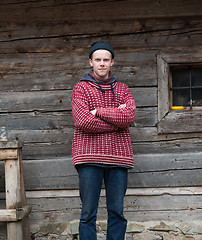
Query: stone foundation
(135, 231)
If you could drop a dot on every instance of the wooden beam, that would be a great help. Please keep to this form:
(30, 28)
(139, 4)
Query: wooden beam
(8, 154)
(13, 215)
(8, 215)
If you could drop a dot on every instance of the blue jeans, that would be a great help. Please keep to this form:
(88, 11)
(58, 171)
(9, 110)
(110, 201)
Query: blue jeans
(90, 184)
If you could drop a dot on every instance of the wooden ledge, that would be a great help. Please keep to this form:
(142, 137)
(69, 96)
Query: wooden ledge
(14, 215)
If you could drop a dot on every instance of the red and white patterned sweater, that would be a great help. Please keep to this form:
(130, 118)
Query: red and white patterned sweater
(104, 138)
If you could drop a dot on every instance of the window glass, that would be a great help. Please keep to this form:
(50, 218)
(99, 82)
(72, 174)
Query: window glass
(196, 75)
(186, 87)
(180, 78)
(181, 97)
(197, 97)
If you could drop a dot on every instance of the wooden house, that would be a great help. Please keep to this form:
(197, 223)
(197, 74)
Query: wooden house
(44, 51)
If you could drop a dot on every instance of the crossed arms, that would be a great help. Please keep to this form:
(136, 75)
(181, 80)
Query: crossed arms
(101, 120)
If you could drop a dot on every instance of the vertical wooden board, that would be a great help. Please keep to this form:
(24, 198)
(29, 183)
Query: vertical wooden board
(13, 196)
(163, 89)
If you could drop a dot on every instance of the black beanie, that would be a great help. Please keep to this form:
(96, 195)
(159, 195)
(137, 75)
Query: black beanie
(101, 45)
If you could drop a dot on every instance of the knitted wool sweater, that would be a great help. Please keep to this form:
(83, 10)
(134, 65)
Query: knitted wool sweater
(105, 137)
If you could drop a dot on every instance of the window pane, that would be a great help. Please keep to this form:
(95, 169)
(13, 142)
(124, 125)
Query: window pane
(197, 97)
(181, 97)
(196, 75)
(180, 78)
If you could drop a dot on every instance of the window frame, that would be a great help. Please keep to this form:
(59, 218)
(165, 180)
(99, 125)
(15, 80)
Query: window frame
(188, 67)
(182, 121)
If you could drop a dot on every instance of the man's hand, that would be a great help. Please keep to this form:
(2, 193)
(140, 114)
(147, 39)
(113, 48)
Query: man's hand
(122, 106)
(94, 112)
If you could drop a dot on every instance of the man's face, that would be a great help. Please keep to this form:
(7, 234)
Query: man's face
(101, 62)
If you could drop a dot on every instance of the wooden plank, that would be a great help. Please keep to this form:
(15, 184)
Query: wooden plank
(10, 144)
(166, 162)
(170, 178)
(8, 154)
(136, 68)
(24, 210)
(131, 203)
(13, 196)
(48, 71)
(169, 215)
(145, 97)
(37, 120)
(163, 88)
(61, 120)
(150, 134)
(8, 215)
(43, 144)
(146, 117)
(135, 216)
(61, 147)
(170, 202)
(35, 101)
(175, 191)
(178, 39)
(72, 10)
(140, 205)
(42, 151)
(171, 146)
(60, 100)
(42, 136)
(40, 144)
(60, 71)
(109, 27)
(156, 170)
(13, 215)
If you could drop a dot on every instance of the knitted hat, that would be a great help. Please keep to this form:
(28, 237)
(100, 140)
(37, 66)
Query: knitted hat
(101, 45)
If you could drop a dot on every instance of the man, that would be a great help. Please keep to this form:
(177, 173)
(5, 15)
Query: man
(102, 110)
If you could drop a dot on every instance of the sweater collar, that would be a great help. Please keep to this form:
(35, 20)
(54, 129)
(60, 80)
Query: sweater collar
(93, 80)
(100, 80)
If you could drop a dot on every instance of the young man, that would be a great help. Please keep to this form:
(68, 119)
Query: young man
(102, 110)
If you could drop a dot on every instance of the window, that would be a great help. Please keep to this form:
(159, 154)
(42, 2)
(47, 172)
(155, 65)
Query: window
(179, 92)
(186, 88)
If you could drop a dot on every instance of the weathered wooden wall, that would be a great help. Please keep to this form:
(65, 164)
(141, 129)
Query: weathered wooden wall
(43, 53)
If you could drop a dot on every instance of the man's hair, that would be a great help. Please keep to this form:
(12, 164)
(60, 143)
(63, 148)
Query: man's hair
(101, 45)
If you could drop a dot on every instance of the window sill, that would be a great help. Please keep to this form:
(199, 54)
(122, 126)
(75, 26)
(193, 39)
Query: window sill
(181, 122)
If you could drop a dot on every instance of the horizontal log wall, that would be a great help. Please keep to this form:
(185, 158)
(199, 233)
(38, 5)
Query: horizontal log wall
(43, 53)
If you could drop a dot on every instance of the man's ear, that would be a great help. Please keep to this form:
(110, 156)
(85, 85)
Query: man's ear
(112, 62)
(90, 62)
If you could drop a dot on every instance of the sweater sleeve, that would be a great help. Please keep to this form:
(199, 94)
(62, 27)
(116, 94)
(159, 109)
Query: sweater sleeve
(83, 118)
(122, 117)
